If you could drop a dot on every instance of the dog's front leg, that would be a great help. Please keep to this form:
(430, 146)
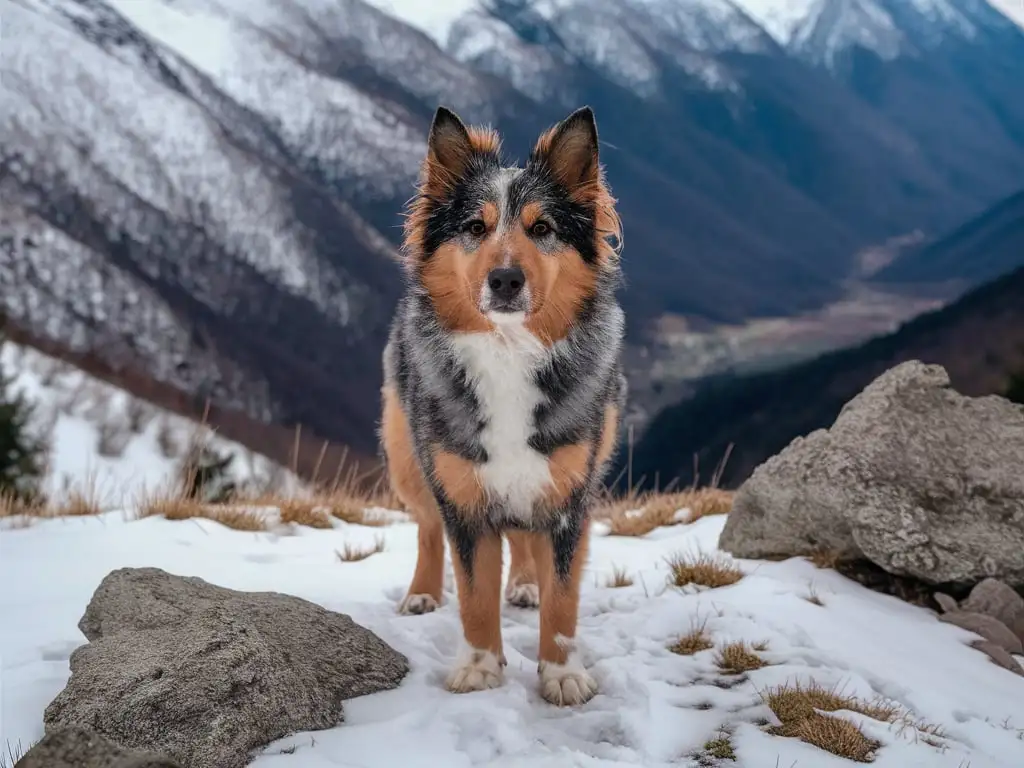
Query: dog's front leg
(559, 554)
(476, 558)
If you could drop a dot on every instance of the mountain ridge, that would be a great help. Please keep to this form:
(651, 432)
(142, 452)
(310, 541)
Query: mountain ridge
(978, 338)
(211, 189)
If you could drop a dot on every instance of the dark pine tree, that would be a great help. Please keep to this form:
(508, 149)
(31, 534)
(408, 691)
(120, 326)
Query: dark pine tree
(21, 453)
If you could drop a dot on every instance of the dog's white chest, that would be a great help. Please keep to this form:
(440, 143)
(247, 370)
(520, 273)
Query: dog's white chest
(501, 367)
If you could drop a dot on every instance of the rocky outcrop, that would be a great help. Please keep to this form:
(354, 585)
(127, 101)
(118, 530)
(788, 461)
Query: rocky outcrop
(207, 675)
(77, 747)
(912, 476)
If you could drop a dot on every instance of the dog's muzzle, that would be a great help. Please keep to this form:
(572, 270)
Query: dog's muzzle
(506, 291)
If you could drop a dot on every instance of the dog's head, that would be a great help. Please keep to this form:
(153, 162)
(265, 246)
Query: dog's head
(493, 244)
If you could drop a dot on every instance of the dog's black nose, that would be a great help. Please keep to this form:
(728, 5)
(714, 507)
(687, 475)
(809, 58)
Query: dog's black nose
(506, 282)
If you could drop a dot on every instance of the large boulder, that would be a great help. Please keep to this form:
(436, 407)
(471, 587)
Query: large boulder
(77, 747)
(207, 674)
(913, 476)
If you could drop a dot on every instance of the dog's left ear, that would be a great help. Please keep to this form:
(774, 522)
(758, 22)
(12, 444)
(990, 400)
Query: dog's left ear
(570, 150)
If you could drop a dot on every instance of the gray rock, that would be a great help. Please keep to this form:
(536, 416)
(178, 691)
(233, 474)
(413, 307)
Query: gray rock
(946, 603)
(207, 674)
(913, 476)
(999, 656)
(994, 598)
(77, 747)
(989, 628)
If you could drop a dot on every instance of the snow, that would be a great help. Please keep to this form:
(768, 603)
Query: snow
(77, 413)
(1011, 9)
(780, 18)
(654, 708)
(432, 17)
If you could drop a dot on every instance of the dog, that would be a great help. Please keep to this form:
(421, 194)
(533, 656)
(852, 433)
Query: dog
(503, 387)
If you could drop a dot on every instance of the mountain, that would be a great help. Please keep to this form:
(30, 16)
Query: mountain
(982, 249)
(979, 339)
(210, 190)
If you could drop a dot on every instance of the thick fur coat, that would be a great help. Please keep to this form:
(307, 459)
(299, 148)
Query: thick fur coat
(502, 383)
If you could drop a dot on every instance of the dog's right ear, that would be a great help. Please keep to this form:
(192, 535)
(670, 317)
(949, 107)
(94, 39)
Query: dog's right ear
(449, 150)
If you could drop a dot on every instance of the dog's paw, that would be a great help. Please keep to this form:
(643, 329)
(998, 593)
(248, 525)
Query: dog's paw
(475, 671)
(413, 605)
(523, 595)
(566, 685)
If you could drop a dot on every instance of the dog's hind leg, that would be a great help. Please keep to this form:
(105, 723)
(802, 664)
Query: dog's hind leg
(522, 589)
(409, 484)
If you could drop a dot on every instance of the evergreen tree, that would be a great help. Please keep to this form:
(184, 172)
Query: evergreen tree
(21, 453)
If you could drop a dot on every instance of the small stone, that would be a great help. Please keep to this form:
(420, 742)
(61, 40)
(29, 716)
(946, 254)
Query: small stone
(991, 629)
(999, 656)
(1000, 601)
(946, 603)
(78, 747)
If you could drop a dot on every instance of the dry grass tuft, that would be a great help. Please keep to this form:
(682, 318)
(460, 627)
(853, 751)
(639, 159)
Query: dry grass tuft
(15, 506)
(619, 578)
(77, 503)
(736, 658)
(799, 708)
(352, 553)
(694, 641)
(305, 512)
(813, 597)
(638, 515)
(795, 701)
(704, 570)
(175, 506)
(825, 558)
(833, 734)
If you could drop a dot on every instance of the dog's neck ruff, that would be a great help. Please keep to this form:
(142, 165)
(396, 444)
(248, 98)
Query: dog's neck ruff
(501, 366)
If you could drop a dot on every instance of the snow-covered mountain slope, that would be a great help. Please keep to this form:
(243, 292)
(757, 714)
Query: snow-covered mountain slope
(655, 708)
(110, 447)
(210, 190)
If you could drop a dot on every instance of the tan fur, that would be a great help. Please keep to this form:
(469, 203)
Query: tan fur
(454, 279)
(559, 600)
(484, 140)
(480, 596)
(559, 284)
(458, 477)
(568, 466)
(522, 569)
(410, 485)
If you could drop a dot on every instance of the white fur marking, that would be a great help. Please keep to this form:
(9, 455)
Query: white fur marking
(501, 366)
(475, 670)
(523, 595)
(566, 684)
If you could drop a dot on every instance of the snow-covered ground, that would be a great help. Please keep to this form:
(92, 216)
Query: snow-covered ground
(108, 445)
(654, 708)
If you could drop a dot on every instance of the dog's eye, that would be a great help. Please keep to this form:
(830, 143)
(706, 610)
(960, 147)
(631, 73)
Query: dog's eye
(475, 228)
(540, 228)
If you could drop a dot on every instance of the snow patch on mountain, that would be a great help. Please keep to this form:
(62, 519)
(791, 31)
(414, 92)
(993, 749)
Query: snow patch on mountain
(780, 18)
(1011, 9)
